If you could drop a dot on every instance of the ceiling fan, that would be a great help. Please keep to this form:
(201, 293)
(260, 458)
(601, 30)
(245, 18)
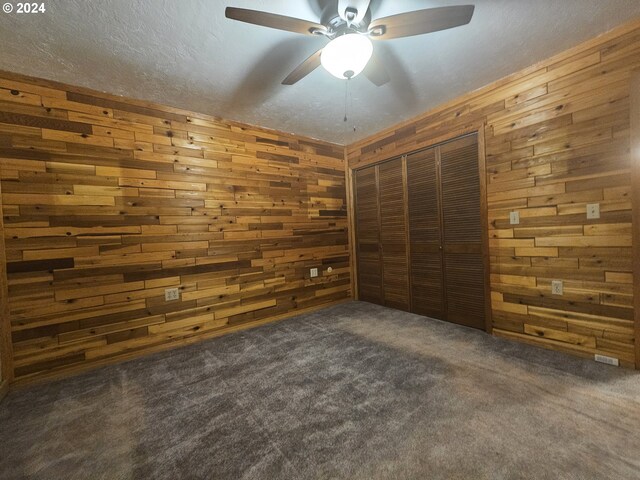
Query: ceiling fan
(349, 30)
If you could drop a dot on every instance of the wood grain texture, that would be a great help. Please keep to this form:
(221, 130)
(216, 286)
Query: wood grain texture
(484, 226)
(4, 388)
(6, 361)
(109, 201)
(556, 139)
(635, 182)
(353, 265)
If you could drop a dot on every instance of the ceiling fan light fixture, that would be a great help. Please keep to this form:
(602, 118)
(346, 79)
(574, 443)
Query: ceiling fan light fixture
(346, 56)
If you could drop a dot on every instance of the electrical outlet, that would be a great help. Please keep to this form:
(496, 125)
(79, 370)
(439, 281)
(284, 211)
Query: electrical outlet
(514, 218)
(313, 272)
(593, 210)
(171, 294)
(556, 287)
(608, 360)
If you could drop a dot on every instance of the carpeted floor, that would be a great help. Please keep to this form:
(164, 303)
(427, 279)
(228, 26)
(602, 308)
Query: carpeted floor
(355, 391)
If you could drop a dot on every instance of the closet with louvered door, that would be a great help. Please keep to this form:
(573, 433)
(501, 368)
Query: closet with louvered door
(419, 233)
(462, 232)
(427, 281)
(368, 255)
(393, 234)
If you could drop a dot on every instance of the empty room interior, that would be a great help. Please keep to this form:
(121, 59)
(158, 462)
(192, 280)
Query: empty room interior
(320, 239)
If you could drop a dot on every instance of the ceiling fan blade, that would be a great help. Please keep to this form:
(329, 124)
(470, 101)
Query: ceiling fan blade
(272, 20)
(420, 22)
(376, 72)
(304, 69)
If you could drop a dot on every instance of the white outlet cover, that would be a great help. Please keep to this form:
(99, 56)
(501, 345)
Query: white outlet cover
(593, 210)
(314, 272)
(514, 218)
(171, 294)
(556, 287)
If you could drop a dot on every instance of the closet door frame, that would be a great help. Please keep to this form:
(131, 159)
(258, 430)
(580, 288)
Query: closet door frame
(479, 129)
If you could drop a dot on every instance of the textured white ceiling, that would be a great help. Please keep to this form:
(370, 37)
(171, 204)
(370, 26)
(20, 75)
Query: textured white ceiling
(186, 54)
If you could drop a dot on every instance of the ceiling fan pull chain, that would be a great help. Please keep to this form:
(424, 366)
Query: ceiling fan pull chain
(351, 106)
(346, 94)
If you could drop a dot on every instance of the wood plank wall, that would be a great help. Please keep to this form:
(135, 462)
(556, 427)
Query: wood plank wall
(635, 181)
(108, 201)
(557, 138)
(6, 370)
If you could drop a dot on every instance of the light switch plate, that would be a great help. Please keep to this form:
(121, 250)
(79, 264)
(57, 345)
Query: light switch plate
(593, 210)
(556, 287)
(314, 272)
(171, 294)
(514, 218)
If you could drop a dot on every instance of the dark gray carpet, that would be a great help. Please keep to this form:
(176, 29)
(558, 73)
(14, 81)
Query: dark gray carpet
(355, 391)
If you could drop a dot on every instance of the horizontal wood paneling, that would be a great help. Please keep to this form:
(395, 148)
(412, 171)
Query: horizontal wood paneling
(6, 369)
(556, 139)
(108, 201)
(635, 162)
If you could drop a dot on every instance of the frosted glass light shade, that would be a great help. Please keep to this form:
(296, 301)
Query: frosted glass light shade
(347, 55)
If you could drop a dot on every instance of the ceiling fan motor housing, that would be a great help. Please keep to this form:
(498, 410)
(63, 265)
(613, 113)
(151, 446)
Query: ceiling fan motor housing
(338, 25)
(350, 15)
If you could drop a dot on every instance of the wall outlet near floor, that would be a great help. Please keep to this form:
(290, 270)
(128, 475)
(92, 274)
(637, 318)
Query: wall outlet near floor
(313, 272)
(514, 218)
(608, 360)
(556, 287)
(593, 210)
(171, 294)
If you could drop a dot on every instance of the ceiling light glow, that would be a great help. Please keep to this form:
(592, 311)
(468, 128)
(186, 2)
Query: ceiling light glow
(347, 55)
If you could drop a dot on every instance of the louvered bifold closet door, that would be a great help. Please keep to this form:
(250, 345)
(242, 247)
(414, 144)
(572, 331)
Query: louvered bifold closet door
(462, 232)
(368, 236)
(427, 296)
(393, 234)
